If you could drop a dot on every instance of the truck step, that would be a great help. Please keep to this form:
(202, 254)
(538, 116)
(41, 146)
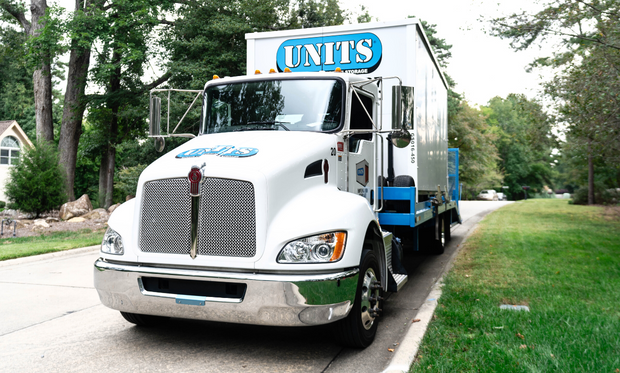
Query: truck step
(401, 280)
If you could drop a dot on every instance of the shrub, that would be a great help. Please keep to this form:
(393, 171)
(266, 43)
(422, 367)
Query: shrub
(602, 195)
(36, 183)
(128, 180)
(2, 204)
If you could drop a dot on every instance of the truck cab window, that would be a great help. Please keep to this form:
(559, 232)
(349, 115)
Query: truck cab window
(281, 105)
(360, 120)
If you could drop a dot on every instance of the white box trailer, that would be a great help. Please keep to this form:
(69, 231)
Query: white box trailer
(382, 49)
(289, 205)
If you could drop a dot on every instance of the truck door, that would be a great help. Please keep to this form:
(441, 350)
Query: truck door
(361, 146)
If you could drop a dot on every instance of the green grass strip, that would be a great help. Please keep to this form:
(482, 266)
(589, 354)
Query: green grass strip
(17, 247)
(563, 262)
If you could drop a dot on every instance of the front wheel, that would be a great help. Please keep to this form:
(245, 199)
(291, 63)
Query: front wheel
(360, 327)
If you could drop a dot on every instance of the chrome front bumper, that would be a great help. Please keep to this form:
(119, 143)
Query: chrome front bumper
(280, 300)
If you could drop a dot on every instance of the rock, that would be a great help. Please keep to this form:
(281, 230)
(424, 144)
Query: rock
(113, 207)
(9, 212)
(78, 207)
(96, 214)
(50, 219)
(41, 223)
(22, 223)
(129, 198)
(77, 219)
(38, 228)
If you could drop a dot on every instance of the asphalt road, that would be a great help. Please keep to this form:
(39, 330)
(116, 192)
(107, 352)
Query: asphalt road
(51, 321)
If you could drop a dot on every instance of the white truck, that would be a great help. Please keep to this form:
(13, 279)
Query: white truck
(293, 203)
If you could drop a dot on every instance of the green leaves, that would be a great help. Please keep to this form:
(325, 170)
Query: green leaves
(36, 183)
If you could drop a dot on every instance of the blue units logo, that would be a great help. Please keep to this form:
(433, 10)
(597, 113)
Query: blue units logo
(354, 53)
(219, 150)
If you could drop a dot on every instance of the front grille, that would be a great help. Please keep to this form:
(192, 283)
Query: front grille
(166, 217)
(226, 222)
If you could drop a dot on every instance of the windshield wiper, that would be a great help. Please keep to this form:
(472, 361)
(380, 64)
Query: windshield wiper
(272, 122)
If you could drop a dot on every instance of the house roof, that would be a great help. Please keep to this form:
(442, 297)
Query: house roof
(5, 125)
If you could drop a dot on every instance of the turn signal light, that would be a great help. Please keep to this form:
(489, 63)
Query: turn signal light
(341, 237)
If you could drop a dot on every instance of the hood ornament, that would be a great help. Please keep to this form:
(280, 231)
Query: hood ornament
(195, 178)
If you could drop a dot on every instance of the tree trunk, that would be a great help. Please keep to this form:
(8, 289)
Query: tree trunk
(106, 173)
(103, 178)
(42, 81)
(71, 128)
(42, 77)
(590, 174)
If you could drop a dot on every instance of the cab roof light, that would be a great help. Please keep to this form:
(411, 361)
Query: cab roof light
(215, 77)
(272, 71)
(338, 70)
(287, 70)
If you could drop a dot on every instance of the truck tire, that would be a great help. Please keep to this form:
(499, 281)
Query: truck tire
(143, 320)
(403, 181)
(358, 330)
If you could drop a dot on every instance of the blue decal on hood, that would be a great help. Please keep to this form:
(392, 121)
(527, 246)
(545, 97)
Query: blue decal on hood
(356, 53)
(219, 150)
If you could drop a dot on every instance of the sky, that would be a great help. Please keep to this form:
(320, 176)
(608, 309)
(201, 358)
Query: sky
(482, 65)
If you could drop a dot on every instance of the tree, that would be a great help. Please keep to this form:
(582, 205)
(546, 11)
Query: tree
(82, 28)
(585, 88)
(524, 142)
(477, 152)
(119, 108)
(36, 183)
(16, 89)
(42, 75)
(587, 96)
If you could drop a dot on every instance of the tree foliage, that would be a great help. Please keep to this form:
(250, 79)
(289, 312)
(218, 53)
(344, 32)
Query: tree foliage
(16, 88)
(524, 142)
(585, 89)
(36, 183)
(477, 152)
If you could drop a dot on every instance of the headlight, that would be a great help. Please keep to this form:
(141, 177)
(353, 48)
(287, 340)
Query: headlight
(112, 243)
(322, 248)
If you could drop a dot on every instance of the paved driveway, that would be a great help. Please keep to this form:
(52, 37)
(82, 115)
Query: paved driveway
(51, 321)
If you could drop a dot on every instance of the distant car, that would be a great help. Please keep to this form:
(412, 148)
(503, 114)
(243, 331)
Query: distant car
(488, 195)
(500, 196)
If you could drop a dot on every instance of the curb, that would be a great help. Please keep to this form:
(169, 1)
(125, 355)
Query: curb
(41, 257)
(404, 356)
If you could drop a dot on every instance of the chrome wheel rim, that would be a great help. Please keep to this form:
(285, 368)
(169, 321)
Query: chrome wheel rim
(367, 306)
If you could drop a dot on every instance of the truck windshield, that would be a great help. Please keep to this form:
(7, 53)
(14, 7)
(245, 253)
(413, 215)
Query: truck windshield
(282, 105)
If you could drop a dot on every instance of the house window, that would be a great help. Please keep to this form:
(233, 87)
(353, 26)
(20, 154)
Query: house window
(9, 150)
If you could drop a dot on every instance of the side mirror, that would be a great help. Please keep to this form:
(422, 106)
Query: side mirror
(397, 107)
(402, 115)
(160, 143)
(401, 138)
(155, 117)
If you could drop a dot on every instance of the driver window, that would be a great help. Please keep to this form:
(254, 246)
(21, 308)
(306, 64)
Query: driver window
(360, 120)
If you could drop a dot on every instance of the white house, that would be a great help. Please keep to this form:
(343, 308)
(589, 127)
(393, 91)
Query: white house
(12, 142)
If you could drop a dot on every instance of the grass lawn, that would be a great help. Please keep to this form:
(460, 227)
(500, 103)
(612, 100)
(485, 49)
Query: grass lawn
(563, 262)
(17, 247)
